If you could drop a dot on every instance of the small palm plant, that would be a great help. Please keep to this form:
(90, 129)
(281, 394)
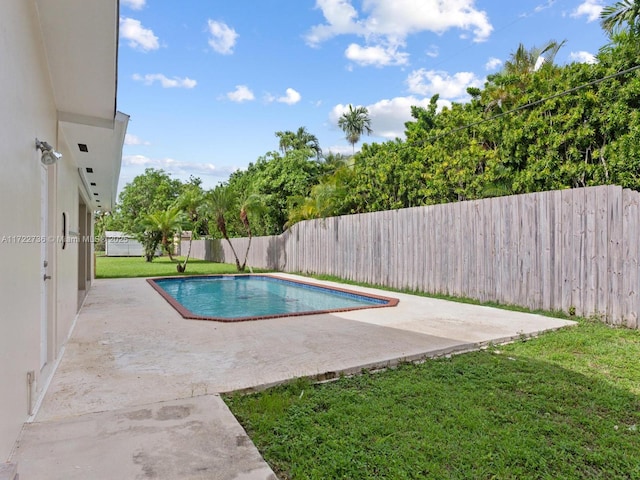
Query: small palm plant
(166, 223)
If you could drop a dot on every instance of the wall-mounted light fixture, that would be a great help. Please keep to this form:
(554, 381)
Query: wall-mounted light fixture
(49, 155)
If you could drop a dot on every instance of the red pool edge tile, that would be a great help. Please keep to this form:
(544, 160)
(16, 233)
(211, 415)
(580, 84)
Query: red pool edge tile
(185, 313)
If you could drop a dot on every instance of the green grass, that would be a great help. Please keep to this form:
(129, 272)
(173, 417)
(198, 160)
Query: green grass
(129, 267)
(564, 405)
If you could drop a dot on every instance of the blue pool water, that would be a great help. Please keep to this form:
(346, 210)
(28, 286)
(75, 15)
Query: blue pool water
(243, 296)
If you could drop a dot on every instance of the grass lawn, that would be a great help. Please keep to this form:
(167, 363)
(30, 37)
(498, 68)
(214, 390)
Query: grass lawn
(128, 267)
(565, 405)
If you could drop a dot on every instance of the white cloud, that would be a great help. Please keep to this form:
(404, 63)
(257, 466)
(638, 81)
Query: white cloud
(378, 55)
(133, 4)
(346, 150)
(140, 38)
(341, 19)
(544, 6)
(590, 9)
(291, 97)
(583, 57)
(450, 87)
(223, 38)
(166, 82)
(176, 167)
(492, 64)
(130, 139)
(242, 93)
(433, 51)
(387, 116)
(385, 23)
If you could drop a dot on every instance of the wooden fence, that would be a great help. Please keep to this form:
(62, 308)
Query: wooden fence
(570, 250)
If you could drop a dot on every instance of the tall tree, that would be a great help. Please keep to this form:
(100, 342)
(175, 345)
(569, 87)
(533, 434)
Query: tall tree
(277, 179)
(150, 192)
(524, 60)
(614, 17)
(221, 203)
(507, 86)
(354, 123)
(250, 206)
(299, 140)
(190, 202)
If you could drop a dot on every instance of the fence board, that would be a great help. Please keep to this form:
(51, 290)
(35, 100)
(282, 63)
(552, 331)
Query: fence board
(545, 256)
(615, 255)
(631, 255)
(601, 235)
(590, 302)
(567, 250)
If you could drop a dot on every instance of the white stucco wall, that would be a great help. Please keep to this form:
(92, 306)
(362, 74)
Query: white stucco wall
(67, 258)
(28, 110)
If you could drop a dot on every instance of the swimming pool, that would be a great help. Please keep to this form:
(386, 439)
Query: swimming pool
(233, 298)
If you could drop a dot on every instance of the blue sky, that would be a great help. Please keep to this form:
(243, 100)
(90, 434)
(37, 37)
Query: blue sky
(207, 83)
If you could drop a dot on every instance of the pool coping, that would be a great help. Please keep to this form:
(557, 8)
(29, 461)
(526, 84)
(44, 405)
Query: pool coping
(188, 315)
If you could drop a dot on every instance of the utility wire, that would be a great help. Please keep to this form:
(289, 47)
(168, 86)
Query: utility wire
(528, 105)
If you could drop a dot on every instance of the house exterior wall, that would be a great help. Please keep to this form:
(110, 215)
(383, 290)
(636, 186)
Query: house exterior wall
(28, 109)
(67, 258)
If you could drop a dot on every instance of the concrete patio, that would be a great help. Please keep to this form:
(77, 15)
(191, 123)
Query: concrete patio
(136, 394)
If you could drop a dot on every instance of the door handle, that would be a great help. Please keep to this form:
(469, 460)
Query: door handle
(47, 277)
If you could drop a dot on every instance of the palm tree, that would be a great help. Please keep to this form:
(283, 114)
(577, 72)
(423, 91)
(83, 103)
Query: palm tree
(221, 203)
(508, 84)
(299, 140)
(327, 199)
(166, 223)
(190, 201)
(624, 11)
(286, 141)
(524, 61)
(354, 123)
(251, 205)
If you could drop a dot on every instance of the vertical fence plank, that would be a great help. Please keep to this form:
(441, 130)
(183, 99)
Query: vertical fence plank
(465, 233)
(453, 260)
(590, 300)
(458, 272)
(482, 253)
(614, 204)
(498, 238)
(437, 250)
(578, 265)
(505, 252)
(545, 255)
(527, 245)
(568, 251)
(601, 251)
(631, 255)
(428, 244)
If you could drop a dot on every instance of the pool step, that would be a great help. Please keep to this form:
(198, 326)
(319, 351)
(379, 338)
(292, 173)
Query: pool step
(9, 471)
